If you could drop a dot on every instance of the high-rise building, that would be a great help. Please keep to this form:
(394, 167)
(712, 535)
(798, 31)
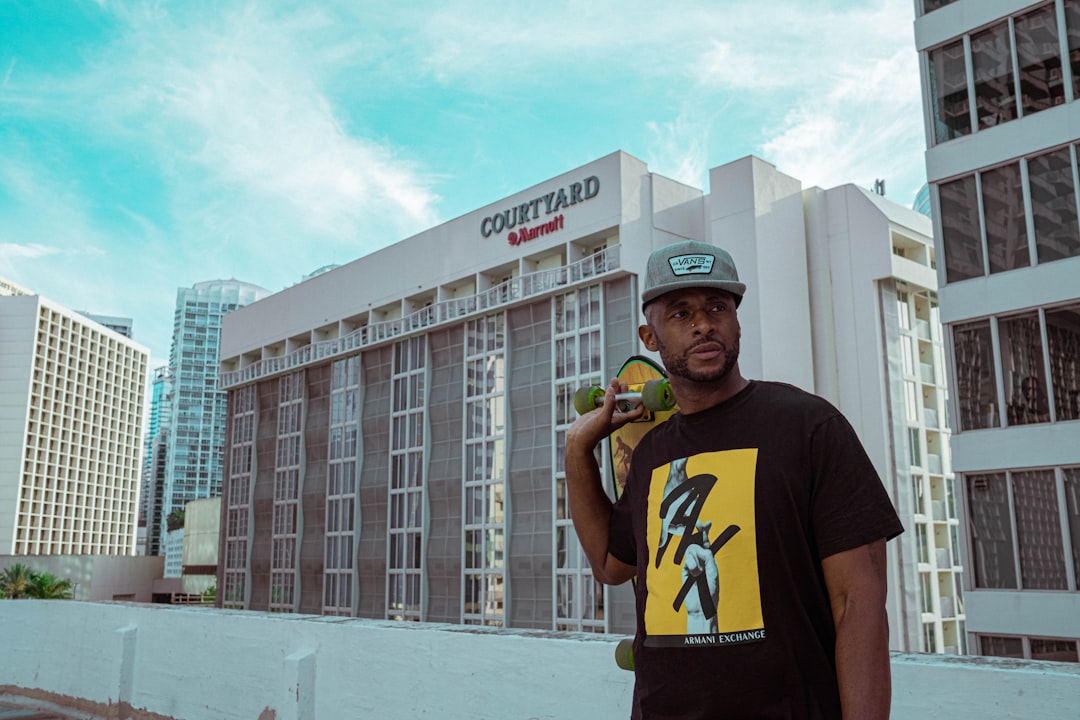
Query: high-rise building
(123, 325)
(194, 444)
(72, 396)
(152, 493)
(999, 83)
(396, 437)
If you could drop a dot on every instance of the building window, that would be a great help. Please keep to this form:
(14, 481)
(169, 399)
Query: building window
(990, 525)
(484, 575)
(991, 61)
(1034, 38)
(406, 521)
(283, 565)
(238, 498)
(949, 90)
(976, 380)
(1039, 59)
(959, 206)
(1038, 531)
(1054, 650)
(931, 5)
(1053, 205)
(1003, 215)
(1023, 370)
(1072, 513)
(341, 487)
(1045, 522)
(579, 599)
(1063, 348)
(994, 646)
(1072, 34)
(1033, 648)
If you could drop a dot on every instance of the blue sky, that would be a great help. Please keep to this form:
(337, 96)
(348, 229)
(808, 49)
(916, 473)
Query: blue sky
(146, 146)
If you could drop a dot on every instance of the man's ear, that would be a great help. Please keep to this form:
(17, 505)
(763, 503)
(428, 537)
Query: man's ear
(648, 337)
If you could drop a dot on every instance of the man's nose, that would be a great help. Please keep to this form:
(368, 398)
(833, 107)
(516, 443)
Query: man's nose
(700, 321)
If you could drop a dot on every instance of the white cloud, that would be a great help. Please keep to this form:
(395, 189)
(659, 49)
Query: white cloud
(12, 251)
(868, 126)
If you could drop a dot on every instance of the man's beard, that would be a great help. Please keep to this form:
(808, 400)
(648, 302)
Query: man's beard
(679, 366)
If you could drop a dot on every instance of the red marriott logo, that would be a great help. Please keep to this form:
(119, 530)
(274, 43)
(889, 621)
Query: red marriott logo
(526, 234)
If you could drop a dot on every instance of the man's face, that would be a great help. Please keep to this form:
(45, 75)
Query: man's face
(696, 331)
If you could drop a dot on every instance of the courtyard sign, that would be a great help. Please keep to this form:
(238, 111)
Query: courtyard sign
(551, 203)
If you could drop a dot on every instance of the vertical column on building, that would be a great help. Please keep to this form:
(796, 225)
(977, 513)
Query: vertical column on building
(342, 459)
(404, 595)
(288, 462)
(237, 502)
(578, 354)
(485, 466)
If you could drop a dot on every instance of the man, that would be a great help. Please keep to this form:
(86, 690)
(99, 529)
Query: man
(753, 521)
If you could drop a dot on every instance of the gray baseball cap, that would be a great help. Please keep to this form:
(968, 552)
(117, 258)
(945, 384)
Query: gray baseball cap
(690, 264)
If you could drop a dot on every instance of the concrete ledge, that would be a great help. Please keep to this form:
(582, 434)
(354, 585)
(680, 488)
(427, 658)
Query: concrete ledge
(154, 662)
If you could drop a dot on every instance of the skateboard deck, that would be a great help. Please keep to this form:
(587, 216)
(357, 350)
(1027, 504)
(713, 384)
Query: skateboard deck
(648, 385)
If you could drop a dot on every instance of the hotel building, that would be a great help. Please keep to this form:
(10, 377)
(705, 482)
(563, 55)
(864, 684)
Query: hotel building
(1000, 84)
(72, 396)
(396, 425)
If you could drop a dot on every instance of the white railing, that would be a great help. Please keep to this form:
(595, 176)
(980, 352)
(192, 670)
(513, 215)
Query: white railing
(195, 663)
(445, 311)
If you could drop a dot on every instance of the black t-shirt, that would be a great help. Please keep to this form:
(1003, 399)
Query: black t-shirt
(727, 514)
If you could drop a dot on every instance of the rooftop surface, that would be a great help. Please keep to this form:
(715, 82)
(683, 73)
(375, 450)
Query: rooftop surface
(158, 662)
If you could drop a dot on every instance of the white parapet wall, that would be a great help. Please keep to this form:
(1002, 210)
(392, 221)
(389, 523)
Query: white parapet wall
(153, 662)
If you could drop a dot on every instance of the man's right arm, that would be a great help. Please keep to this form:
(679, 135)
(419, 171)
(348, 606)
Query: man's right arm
(590, 506)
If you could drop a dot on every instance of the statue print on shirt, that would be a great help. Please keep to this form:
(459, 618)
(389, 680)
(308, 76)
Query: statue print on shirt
(702, 584)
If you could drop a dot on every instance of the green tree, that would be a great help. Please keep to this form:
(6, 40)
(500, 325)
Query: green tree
(46, 586)
(175, 520)
(15, 581)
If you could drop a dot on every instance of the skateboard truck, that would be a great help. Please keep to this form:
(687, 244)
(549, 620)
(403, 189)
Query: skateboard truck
(655, 395)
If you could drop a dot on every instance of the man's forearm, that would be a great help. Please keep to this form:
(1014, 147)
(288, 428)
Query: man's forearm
(590, 506)
(862, 663)
(857, 586)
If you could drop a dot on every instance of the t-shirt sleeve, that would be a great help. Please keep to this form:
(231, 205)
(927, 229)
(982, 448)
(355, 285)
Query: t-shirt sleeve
(850, 506)
(621, 542)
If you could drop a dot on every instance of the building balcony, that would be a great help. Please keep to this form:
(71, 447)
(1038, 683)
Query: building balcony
(452, 310)
(123, 660)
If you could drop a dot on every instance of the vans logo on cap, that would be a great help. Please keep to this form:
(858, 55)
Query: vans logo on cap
(695, 264)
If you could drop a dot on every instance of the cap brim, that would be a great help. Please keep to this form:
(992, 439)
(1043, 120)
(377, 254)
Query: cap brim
(737, 289)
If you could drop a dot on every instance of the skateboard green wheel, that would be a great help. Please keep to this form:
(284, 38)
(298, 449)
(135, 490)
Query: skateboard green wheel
(588, 398)
(624, 654)
(657, 395)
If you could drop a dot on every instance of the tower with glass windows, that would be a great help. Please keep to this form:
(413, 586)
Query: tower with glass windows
(999, 83)
(194, 445)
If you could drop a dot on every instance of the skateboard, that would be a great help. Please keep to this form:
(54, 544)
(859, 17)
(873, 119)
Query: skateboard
(647, 384)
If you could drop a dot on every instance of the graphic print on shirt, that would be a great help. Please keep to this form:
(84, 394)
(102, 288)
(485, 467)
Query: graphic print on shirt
(702, 584)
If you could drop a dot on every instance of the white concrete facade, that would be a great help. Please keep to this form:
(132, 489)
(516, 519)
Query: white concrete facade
(100, 660)
(72, 397)
(1000, 85)
(827, 272)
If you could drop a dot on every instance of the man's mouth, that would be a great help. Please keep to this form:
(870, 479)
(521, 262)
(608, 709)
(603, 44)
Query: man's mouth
(706, 350)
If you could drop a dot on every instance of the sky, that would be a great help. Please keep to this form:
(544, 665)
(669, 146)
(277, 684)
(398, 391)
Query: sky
(150, 145)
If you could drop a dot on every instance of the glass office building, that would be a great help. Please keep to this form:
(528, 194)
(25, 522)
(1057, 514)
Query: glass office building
(999, 85)
(195, 412)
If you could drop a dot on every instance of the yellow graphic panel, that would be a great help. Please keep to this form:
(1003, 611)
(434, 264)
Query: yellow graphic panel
(702, 582)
